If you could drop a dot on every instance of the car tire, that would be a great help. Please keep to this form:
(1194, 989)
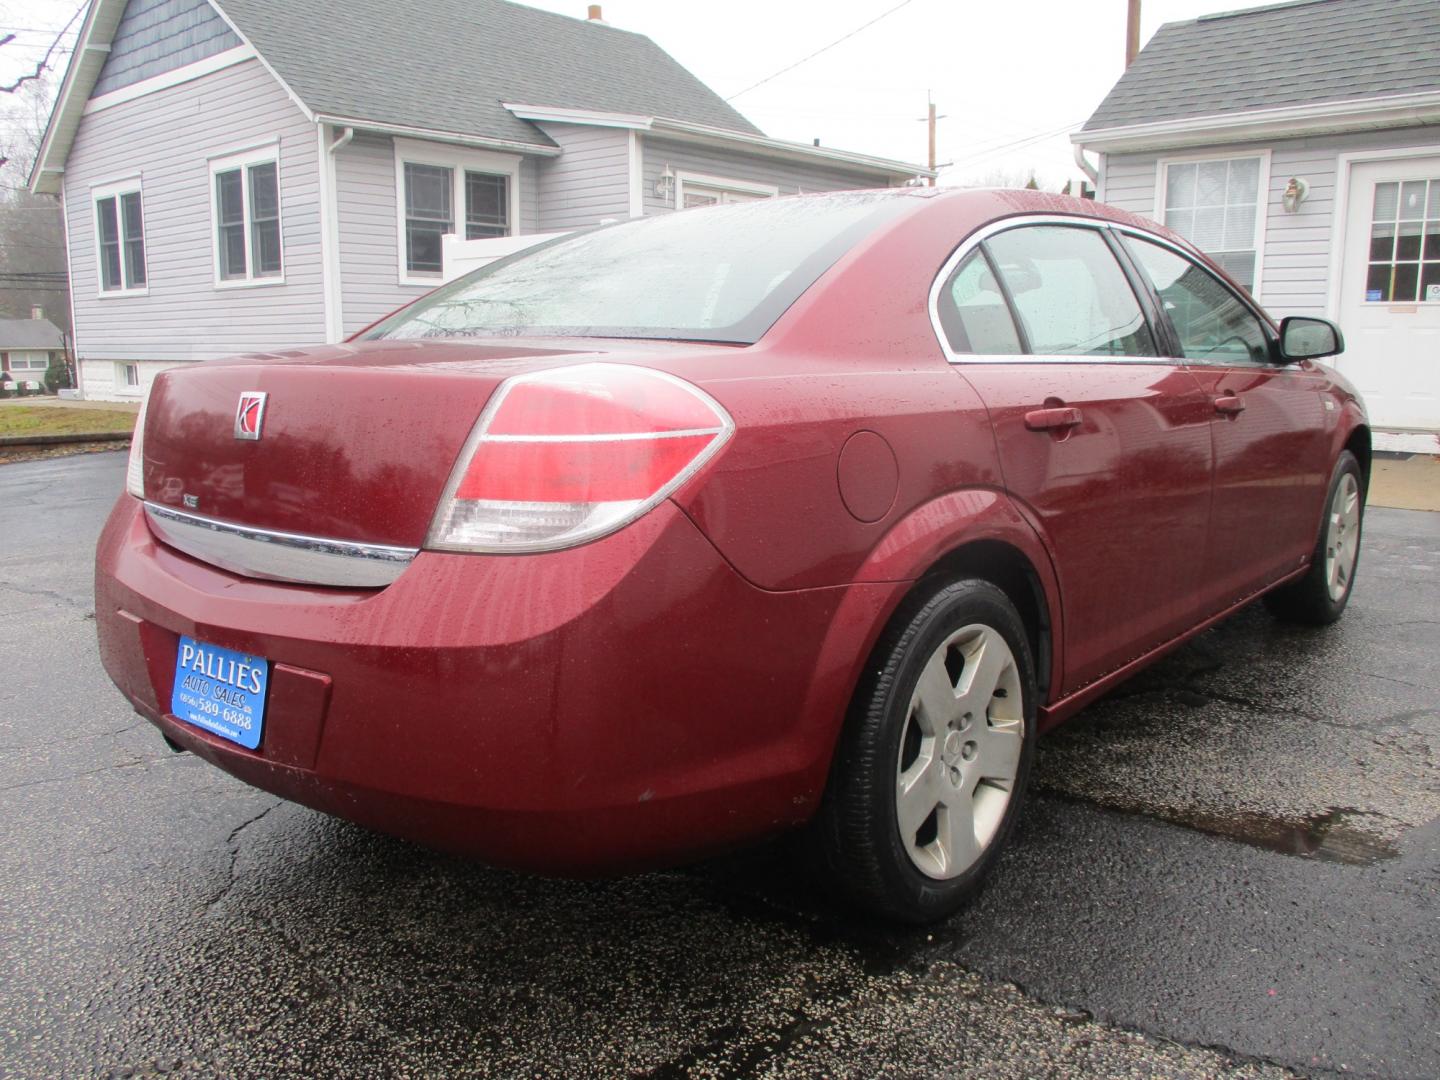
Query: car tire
(908, 744)
(1320, 595)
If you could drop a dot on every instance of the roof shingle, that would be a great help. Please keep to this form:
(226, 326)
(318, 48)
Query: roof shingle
(446, 65)
(30, 334)
(1298, 53)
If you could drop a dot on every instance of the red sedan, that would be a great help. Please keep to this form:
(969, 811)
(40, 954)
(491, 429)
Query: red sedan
(665, 536)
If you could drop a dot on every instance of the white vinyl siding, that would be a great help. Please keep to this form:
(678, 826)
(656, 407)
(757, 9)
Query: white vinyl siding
(590, 182)
(1296, 248)
(785, 177)
(168, 138)
(368, 208)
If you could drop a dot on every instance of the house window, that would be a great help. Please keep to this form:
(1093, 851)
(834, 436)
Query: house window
(1404, 243)
(444, 189)
(246, 210)
(429, 215)
(127, 376)
(1216, 206)
(692, 190)
(120, 238)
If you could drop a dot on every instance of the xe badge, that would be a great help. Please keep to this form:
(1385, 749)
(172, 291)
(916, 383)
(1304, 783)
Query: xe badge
(250, 414)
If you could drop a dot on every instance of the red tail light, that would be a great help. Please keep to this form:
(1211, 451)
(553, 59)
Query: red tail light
(568, 455)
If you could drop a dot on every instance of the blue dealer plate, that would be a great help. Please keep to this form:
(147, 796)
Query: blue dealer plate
(220, 690)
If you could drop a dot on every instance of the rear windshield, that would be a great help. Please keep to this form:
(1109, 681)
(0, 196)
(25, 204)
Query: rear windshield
(722, 273)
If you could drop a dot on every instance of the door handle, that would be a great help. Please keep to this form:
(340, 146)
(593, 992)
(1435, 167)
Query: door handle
(1229, 404)
(1050, 419)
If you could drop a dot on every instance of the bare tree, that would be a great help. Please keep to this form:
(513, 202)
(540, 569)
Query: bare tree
(32, 227)
(43, 65)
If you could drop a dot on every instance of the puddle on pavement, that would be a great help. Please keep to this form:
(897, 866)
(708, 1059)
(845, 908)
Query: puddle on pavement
(1338, 835)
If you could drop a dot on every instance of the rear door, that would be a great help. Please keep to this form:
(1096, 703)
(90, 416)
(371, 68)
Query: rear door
(1104, 443)
(1271, 464)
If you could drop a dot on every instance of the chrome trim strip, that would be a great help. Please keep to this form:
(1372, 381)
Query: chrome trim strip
(628, 436)
(279, 556)
(971, 242)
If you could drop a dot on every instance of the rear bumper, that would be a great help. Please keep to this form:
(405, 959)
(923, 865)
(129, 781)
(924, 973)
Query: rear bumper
(624, 704)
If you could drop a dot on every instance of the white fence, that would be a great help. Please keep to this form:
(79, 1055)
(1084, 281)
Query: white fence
(461, 256)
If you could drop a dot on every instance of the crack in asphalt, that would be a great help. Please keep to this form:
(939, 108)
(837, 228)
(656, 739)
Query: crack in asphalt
(294, 948)
(50, 594)
(1361, 731)
(1104, 1018)
(1398, 682)
(233, 843)
(78, 738)
(81, 775)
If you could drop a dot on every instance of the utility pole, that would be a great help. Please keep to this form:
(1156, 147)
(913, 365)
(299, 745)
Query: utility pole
(930, 119)
(931, 122)
(1132, 33)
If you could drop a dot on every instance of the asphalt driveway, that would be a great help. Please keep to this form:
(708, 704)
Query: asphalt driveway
(1232, 867)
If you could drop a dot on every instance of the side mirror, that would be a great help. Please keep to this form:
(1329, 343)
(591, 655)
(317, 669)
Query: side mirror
(1305, 338)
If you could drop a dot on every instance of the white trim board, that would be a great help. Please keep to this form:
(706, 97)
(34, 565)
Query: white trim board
(240, 160)
(176, 77)
(636, 160)
(704, 134)
(451, 138)
(115, 189)
(1292, 121)
(1262, 197)
(458, 159)
(305, 110)
(718, 183)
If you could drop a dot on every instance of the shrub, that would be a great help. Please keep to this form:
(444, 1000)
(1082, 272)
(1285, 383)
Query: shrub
(57, 376)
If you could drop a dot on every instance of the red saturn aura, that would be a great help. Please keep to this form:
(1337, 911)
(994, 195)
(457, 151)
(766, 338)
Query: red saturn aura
(662, 537)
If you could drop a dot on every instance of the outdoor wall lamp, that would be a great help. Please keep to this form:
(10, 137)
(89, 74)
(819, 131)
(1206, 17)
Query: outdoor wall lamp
(1295, 192)
(665, 184)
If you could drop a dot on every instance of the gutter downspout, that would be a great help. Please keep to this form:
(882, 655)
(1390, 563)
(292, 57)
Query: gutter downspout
(330, 233)
(1085, 167)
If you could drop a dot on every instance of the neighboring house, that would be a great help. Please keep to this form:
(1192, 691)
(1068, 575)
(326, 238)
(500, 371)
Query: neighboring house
(1299, 144)
(246, 175)
(28, 347)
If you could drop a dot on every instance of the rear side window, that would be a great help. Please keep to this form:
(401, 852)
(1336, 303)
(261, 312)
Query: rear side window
(1213, 325)
(1070, 294)
(973, 312)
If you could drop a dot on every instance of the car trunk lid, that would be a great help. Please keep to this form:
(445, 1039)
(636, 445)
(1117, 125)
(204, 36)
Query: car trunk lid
(354, 443)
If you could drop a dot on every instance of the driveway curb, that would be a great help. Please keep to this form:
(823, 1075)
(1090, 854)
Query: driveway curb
(63, 440)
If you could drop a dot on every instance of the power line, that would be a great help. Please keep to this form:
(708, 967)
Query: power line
(1017, 144)
(827, 48)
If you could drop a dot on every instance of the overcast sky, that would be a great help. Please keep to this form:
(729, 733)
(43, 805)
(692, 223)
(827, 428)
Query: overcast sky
(1012, 77)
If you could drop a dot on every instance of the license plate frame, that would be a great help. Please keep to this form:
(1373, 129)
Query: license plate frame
(222, 691)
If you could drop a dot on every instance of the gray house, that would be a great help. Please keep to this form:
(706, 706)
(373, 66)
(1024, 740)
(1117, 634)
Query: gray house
(1299, 144)
(28, 347)
(243, 175)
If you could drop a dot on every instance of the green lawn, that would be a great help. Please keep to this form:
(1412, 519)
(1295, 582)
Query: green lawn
(53, 420)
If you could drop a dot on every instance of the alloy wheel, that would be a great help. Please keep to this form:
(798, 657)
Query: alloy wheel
(959, 751)
(1342, 536)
